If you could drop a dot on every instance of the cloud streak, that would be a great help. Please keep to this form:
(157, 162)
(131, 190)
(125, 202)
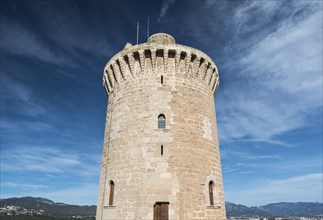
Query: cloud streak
(25, 186)
(81, 194)
(247, 156)
(38, 159)
(166, 5)
(21, 97)
(281, 77)
(20, 41)
(264, 141)
(299, 188)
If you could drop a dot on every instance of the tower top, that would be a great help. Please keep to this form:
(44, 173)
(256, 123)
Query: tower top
(161, 38)
(133, 61)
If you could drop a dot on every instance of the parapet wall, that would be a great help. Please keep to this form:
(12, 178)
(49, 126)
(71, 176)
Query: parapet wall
(132, 62)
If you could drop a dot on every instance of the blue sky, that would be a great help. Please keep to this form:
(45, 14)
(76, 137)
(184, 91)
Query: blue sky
(269, 103)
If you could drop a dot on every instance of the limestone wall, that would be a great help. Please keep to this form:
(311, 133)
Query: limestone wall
(132, 147)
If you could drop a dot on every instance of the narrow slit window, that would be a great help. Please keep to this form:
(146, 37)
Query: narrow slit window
(111, 195)
(162, 150)
(161, 79)
(211, 192)
(161, 121)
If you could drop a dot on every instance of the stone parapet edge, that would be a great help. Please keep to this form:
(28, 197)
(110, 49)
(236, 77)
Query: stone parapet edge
(195, 62)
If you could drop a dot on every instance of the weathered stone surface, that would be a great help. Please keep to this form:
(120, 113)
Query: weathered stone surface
(132, 142)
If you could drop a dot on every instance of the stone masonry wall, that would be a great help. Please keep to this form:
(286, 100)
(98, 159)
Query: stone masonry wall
(132, 146)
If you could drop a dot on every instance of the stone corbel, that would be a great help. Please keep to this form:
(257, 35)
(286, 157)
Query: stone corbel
(106, 82)
(115, 71)
(188, 63)
(131, 59)
(153, 58)
(212, 76)
(142, 60)
(122, 63)
(111, 76)
(196, 66)
(177, 59)
(165, 53)
(203, 69)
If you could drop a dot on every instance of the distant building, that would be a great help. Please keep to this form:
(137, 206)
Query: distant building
(161, 157)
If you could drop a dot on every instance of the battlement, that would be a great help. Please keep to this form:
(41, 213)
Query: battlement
(186, 61)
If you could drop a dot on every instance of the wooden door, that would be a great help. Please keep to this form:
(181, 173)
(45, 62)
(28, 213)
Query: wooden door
(161, 211)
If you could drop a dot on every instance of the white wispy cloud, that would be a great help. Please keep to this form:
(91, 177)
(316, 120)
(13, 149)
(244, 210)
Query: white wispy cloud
(290, 59)
(38, 159)
(286, 166)
(23, 185)
(61, 169)
(246, 155)
(61, 43)
(84, 194)
(299, 188)
(21, 41)
(68, 24)
(282, 77)
(49, 160)
(14, 128)
(266, 141)
(267, 165)
(164, 8)
(22, 98)
(253, 16)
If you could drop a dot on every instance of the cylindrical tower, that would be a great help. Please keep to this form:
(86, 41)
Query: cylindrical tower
(161, 156)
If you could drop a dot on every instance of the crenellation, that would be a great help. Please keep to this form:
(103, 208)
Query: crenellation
(196, 63)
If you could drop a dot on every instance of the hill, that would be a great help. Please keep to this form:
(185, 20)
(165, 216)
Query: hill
(30, 208)
(20, 208)
(282, 209)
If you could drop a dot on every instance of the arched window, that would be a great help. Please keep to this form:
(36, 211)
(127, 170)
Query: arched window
(211, 183)
(161, 121)
(111, 192)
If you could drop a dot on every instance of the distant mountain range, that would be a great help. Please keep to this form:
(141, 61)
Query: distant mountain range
(30, 208)
(26, 208)
(282, 209)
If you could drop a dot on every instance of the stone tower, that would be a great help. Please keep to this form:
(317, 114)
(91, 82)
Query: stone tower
(161, 156)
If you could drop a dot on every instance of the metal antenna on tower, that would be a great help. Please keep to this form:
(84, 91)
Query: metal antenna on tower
(137, 31)
(148, 28)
